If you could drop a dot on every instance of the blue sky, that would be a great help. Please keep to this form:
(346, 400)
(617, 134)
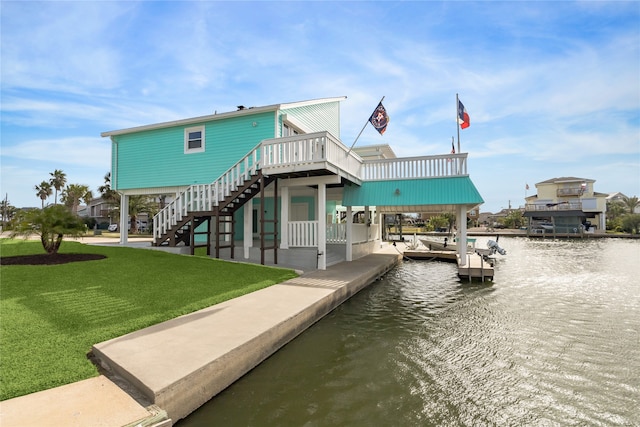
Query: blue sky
(552, 88)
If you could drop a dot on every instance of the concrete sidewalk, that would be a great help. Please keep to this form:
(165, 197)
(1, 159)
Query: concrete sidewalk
(168, 370)
(93, 402)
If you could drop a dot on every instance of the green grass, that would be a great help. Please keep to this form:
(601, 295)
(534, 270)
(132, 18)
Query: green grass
(50, 316)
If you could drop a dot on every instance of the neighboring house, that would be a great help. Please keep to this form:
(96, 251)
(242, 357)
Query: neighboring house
(272, 181)
(619, 197)
(97, 209)
(106, 213)
(566, 205)
(489, 219)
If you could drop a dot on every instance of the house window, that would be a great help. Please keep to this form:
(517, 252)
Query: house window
(288, 130)
(194, 140)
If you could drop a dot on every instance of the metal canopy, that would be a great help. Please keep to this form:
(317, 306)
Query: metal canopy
(442, 194)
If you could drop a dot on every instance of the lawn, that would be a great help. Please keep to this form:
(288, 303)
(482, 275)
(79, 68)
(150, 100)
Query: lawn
(51, 315)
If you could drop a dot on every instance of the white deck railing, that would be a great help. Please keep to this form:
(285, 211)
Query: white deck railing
(204, 197)
(554, 206)
(337, 233)
(308, 152)
(304, 234)
(305, 152)
(415, 167)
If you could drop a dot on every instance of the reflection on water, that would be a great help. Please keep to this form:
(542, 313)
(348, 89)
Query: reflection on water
(555, 340)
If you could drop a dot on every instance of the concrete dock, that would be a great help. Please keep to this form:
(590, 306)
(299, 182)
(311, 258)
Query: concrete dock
(429, 255)
(160, 374)
(475, 268)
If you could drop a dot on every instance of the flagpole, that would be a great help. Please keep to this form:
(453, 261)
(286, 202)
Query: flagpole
(365, 125)
(458, 124)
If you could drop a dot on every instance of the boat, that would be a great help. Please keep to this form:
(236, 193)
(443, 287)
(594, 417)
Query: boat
(446, 244)
(546, 226)
(492, 249)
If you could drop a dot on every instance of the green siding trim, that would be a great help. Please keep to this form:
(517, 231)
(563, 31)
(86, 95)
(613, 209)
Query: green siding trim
(316, 117)
(156, 158)
(413, 192)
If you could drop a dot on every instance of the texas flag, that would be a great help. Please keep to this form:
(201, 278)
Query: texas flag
(463, 116)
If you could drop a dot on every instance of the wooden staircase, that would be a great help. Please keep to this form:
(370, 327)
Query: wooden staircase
(214, 205)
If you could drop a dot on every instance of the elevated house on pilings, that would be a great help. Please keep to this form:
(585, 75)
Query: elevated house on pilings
(566, 205)
(266, 183)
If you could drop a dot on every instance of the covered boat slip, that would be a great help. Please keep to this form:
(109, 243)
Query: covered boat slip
(455, 193)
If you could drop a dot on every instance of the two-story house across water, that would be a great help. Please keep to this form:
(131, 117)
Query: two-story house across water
(566, 205)
(267, 184)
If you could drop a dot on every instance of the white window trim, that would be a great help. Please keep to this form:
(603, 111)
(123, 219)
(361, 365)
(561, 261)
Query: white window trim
(200, 149)
(293, 124)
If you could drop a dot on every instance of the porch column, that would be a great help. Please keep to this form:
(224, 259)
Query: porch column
(284, 217)
(462, 234)
(367, 222)
(124, 219)
(248, 227)
(380, 224)
(322, 226)
(349, 226)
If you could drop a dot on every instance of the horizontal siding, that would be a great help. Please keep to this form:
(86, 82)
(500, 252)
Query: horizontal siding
(413, 192)
(317, 117)
(156, 158)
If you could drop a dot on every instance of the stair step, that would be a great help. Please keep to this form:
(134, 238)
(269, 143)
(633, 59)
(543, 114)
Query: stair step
(231, 198)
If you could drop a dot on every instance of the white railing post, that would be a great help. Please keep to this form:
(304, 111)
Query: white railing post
(284, 218)
(302, 234)
(349, 236)
(415, 167)
(300, 152)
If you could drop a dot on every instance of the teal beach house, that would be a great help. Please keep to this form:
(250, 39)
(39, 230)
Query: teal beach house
(275, 184)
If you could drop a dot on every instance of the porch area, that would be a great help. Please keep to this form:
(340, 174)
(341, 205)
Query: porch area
(301, 251)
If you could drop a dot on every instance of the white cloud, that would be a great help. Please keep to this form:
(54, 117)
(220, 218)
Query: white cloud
(84, 151)
(547, 84)
(67, 53)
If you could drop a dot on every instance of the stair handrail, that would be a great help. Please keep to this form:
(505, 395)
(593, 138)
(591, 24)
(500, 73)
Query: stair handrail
(204, 197)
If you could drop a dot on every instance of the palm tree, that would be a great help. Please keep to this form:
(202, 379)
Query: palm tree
(451, 219)
(7, 211)
(51, 223)
(57, 181)
(630, 203)
(43, 191)
(615, 208)
(109, 196)
(87, 198)
(72, 195)
(137, 205)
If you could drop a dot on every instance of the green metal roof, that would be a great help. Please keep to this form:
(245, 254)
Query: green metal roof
(414, 195)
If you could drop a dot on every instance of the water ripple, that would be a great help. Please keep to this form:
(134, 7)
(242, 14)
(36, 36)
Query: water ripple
(555, 341)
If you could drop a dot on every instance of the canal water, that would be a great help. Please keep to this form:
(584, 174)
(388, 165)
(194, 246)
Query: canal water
(553, 341)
